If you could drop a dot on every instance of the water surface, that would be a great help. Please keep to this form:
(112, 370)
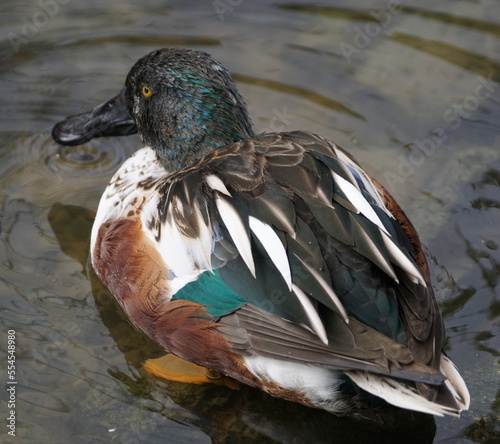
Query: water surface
(411, 91)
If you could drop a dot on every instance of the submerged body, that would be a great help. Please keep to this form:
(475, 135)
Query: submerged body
(273, 259)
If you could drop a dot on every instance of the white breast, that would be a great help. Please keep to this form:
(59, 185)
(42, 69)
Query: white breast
(123, 194)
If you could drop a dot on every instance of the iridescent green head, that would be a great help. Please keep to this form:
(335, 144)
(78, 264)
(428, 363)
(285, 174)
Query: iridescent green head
(185, 104)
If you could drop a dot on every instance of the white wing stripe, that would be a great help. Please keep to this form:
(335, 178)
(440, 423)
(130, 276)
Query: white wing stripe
(311, 313)
(400, 259)
(237, 230)
(271, 242)
(367, 182)
(329, 290)
(357, 199)
(216, 183)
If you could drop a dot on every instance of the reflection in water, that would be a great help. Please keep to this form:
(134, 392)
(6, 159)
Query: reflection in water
(244, 415)
(153, 40)
(304, 93)
(471, 61)
(449, 18)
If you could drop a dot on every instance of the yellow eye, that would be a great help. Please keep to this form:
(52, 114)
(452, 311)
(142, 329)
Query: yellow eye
(146, 91)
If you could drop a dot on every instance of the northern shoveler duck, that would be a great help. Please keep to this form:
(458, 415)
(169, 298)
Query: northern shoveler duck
(273, 259)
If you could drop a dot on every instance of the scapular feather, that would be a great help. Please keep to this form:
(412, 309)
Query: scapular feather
(305, 244)
(354, 196)
(237, 230)
(327, 290)
(366, 244)
(314, 319)
(275, 208)
(336, 221)
(274, 248)
(215, 183)
(402, 260)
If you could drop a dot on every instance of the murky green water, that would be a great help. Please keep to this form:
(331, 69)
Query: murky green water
(411, 89)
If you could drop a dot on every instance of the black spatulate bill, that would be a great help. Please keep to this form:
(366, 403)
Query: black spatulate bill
(108, 119)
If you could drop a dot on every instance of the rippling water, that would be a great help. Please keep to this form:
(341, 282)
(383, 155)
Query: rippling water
(411, 89)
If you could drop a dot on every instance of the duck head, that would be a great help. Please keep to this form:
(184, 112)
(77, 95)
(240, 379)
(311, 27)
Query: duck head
(182, 103)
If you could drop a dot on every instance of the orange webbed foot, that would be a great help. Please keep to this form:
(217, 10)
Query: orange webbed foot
(173, 368)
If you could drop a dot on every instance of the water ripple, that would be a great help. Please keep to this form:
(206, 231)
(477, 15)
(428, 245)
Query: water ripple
(74, 161)
(467, 60)
(44, 400)
(298, 91)
(51, 170)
